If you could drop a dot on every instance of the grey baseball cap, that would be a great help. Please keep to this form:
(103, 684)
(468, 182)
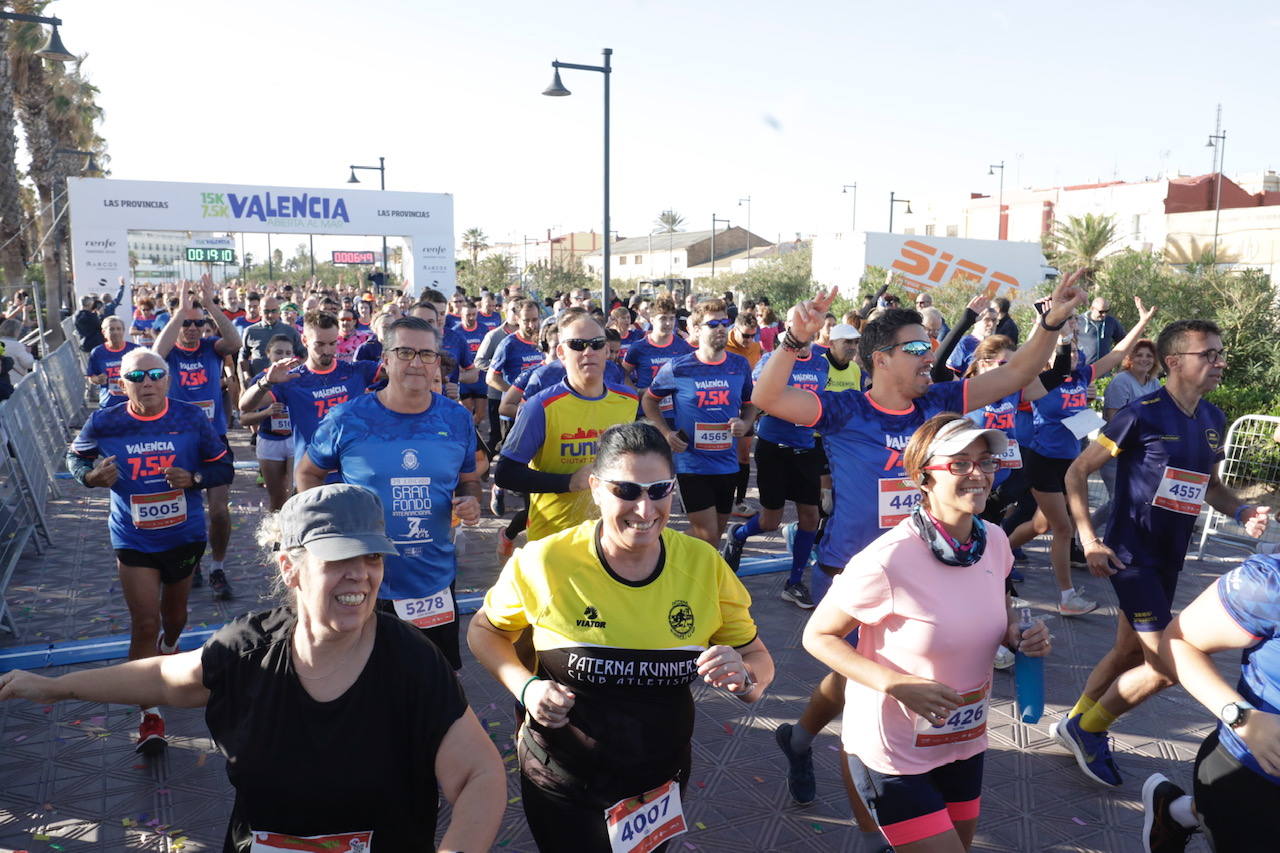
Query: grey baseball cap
(335, 522)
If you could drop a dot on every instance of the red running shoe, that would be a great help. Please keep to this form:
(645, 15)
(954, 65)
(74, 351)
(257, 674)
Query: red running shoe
(151, 735)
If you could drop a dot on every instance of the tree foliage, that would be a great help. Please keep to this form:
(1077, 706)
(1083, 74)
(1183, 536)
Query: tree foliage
(668, 222)
(1081, 241)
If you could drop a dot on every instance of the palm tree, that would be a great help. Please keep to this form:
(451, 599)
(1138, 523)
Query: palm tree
(475, 242)
(1080, 242)
(668, 222)
(12, 245)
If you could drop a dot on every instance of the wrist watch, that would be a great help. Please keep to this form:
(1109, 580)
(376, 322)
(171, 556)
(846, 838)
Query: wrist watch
(1235, 714)
(197, 479)
(264, 383)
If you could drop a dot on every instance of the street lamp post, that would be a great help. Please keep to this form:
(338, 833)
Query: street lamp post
(714, 220)
(381, 169)
(991, 170)
(53, 49)
(1218, 142)
(746, 201)
(557, 90)
(853, 222)
(892, 201)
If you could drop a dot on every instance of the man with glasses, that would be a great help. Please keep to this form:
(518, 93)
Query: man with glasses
(155, 454)
(925, 300)
(416, 450)
(1098, 331)
(195, 364)
(864, 435)
(1166, 446)
(550, 449)
(711, 389)
(253, 358)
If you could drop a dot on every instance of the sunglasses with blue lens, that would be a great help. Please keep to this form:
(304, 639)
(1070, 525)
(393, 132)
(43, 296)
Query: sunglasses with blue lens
(722, 323)
(155, 374)
(915, 348)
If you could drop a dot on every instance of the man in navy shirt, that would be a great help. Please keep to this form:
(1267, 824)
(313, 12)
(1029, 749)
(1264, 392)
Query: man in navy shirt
(1166, 445)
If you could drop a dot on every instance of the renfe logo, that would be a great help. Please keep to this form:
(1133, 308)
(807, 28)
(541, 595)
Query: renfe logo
(267, 206)
(916, 259)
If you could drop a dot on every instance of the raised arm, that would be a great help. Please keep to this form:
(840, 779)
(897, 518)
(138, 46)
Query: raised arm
(772, 393)
(940, 372)
(1111, 360)
(228, 334)
(168, 336)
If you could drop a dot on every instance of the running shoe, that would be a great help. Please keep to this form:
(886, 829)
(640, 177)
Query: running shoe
(798, 594)
(219, 584)
(731, 550)
(1078, 559)
(151, 735)
(160, 648)
(800, 779)
(1016, 603)
(1077, 605)
(1004, 658)
(744, 510)
(498, 501)
(506, 547)
(197, 578)
(260, 481)
(1160, 832)
(1091, 750)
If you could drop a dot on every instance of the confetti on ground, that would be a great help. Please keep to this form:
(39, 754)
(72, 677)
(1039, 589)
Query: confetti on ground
(162, 790)
(128, 821)
(513, 801)
(139, 767)
(816, 828)
(495, 723)
(728, 729)
(700, 825)
(19, 738)
(833, 748)
(702, 784)
(39, 836)
(758, 778)
(1079, 821)
(201, 759)
(97, 721)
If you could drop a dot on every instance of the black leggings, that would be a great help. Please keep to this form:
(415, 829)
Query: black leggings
(495, 427)
(1237, 807)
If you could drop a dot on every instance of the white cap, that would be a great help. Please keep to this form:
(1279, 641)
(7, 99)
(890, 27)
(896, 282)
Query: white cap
(960, 433)
(844, 332)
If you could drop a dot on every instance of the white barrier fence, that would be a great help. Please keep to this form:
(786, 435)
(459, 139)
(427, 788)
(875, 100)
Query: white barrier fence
(1252, 469)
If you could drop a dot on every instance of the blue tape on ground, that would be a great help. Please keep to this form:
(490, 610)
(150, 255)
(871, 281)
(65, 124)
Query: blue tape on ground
(116, 647)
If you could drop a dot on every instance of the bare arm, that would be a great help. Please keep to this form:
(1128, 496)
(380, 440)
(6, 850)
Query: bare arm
(1111, 360)
(308, 475)
(173, 680)
(495, 381)
(510, 404)
(772, 393)
(168, 336)
(1255, 518)
(471, 776)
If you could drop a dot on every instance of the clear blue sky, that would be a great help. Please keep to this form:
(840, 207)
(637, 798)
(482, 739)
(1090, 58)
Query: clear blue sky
(712, 101)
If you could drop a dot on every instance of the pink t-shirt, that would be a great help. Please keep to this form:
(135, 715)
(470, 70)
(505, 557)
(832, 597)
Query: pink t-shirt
(931, 620)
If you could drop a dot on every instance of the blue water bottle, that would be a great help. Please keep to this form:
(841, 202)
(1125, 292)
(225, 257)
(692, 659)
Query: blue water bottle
(1028, 675)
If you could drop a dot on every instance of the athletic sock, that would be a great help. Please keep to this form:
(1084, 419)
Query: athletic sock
(744, 478)
(1082, 706)
(801, 739)
(217, 565)
(156, 711)
(801, 548)
(751, 528)
(1097, 719)
(1065, 595)
(1182, 812)
(165, 648)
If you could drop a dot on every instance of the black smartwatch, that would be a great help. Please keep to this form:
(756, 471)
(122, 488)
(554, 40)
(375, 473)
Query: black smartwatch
(1235, 714)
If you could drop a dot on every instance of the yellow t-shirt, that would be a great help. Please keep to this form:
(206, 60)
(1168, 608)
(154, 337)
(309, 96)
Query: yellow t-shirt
(844, 379)
(558, 431)
(626, 649)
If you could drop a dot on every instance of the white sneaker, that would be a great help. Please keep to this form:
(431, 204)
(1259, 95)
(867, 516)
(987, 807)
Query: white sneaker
(1077, 605)
(1004, 658)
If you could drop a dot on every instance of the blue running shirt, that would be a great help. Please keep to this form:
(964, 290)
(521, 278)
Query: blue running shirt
(311, 396)
(1051, 438)
(809, 374)
(1002, 415)
(1164, 459)
(459, 349)
(864, 445)
(146, 513)
(412, 463)
(646, 359)
(1250, 594)
(706, 396)
(488, 322)
(515, 355)
(102, 360)
(195, 376)
(276, 427)
(630, 339)
(474, 337)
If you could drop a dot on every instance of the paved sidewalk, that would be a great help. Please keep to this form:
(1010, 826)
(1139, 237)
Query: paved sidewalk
(69, 779)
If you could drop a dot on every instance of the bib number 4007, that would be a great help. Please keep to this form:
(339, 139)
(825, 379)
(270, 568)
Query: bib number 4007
(640, 824)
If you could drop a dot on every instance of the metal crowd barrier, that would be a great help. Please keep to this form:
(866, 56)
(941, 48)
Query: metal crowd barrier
(1252, 468)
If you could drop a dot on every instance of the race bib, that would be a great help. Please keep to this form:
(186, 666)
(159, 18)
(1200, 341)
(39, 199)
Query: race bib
(666, 404)
(1083, 422)
(164, 509)
(640, 824)
(346, 842)
(897, 498)
(114, 387)
(206, 406)
(1012, 456)
(428, 612)
(965, 723)
(712, 436)
(1181, 491)
(281, 423)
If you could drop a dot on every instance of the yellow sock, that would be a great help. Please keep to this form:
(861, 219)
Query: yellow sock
(1097, 719)
(1082, 706)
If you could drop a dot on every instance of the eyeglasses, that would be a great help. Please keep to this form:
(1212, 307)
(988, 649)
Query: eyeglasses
(1212, 356)
(155, 374)
(187, 324)
(629, 491)
(960, 467)
(916, 348)
(428, 356)
(580, 344)
(722, 323)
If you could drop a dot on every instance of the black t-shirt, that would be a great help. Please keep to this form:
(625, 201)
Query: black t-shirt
(364, 761)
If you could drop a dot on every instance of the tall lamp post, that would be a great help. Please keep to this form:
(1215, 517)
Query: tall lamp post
(381, 169)
(1218, 142)
(53, 49)
(991, 170)
(747, 202)
(714, 220)
(853, 222)
(894, 200)
(557, 90)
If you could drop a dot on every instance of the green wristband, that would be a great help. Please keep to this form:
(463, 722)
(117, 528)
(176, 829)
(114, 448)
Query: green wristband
(526, 687)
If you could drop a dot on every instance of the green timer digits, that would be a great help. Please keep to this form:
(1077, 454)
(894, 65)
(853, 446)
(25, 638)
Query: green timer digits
(203, 255)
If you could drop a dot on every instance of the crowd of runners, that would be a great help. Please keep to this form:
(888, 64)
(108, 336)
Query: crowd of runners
(919, 452)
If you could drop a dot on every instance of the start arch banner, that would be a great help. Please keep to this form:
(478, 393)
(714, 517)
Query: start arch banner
(103, 212)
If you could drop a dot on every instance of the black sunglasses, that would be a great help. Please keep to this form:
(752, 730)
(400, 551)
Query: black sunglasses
(155, 374)
(629, 491)
(187, 324)
(580, 344)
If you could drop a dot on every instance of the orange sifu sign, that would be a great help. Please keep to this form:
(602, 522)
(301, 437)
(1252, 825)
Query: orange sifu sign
(926, 267)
